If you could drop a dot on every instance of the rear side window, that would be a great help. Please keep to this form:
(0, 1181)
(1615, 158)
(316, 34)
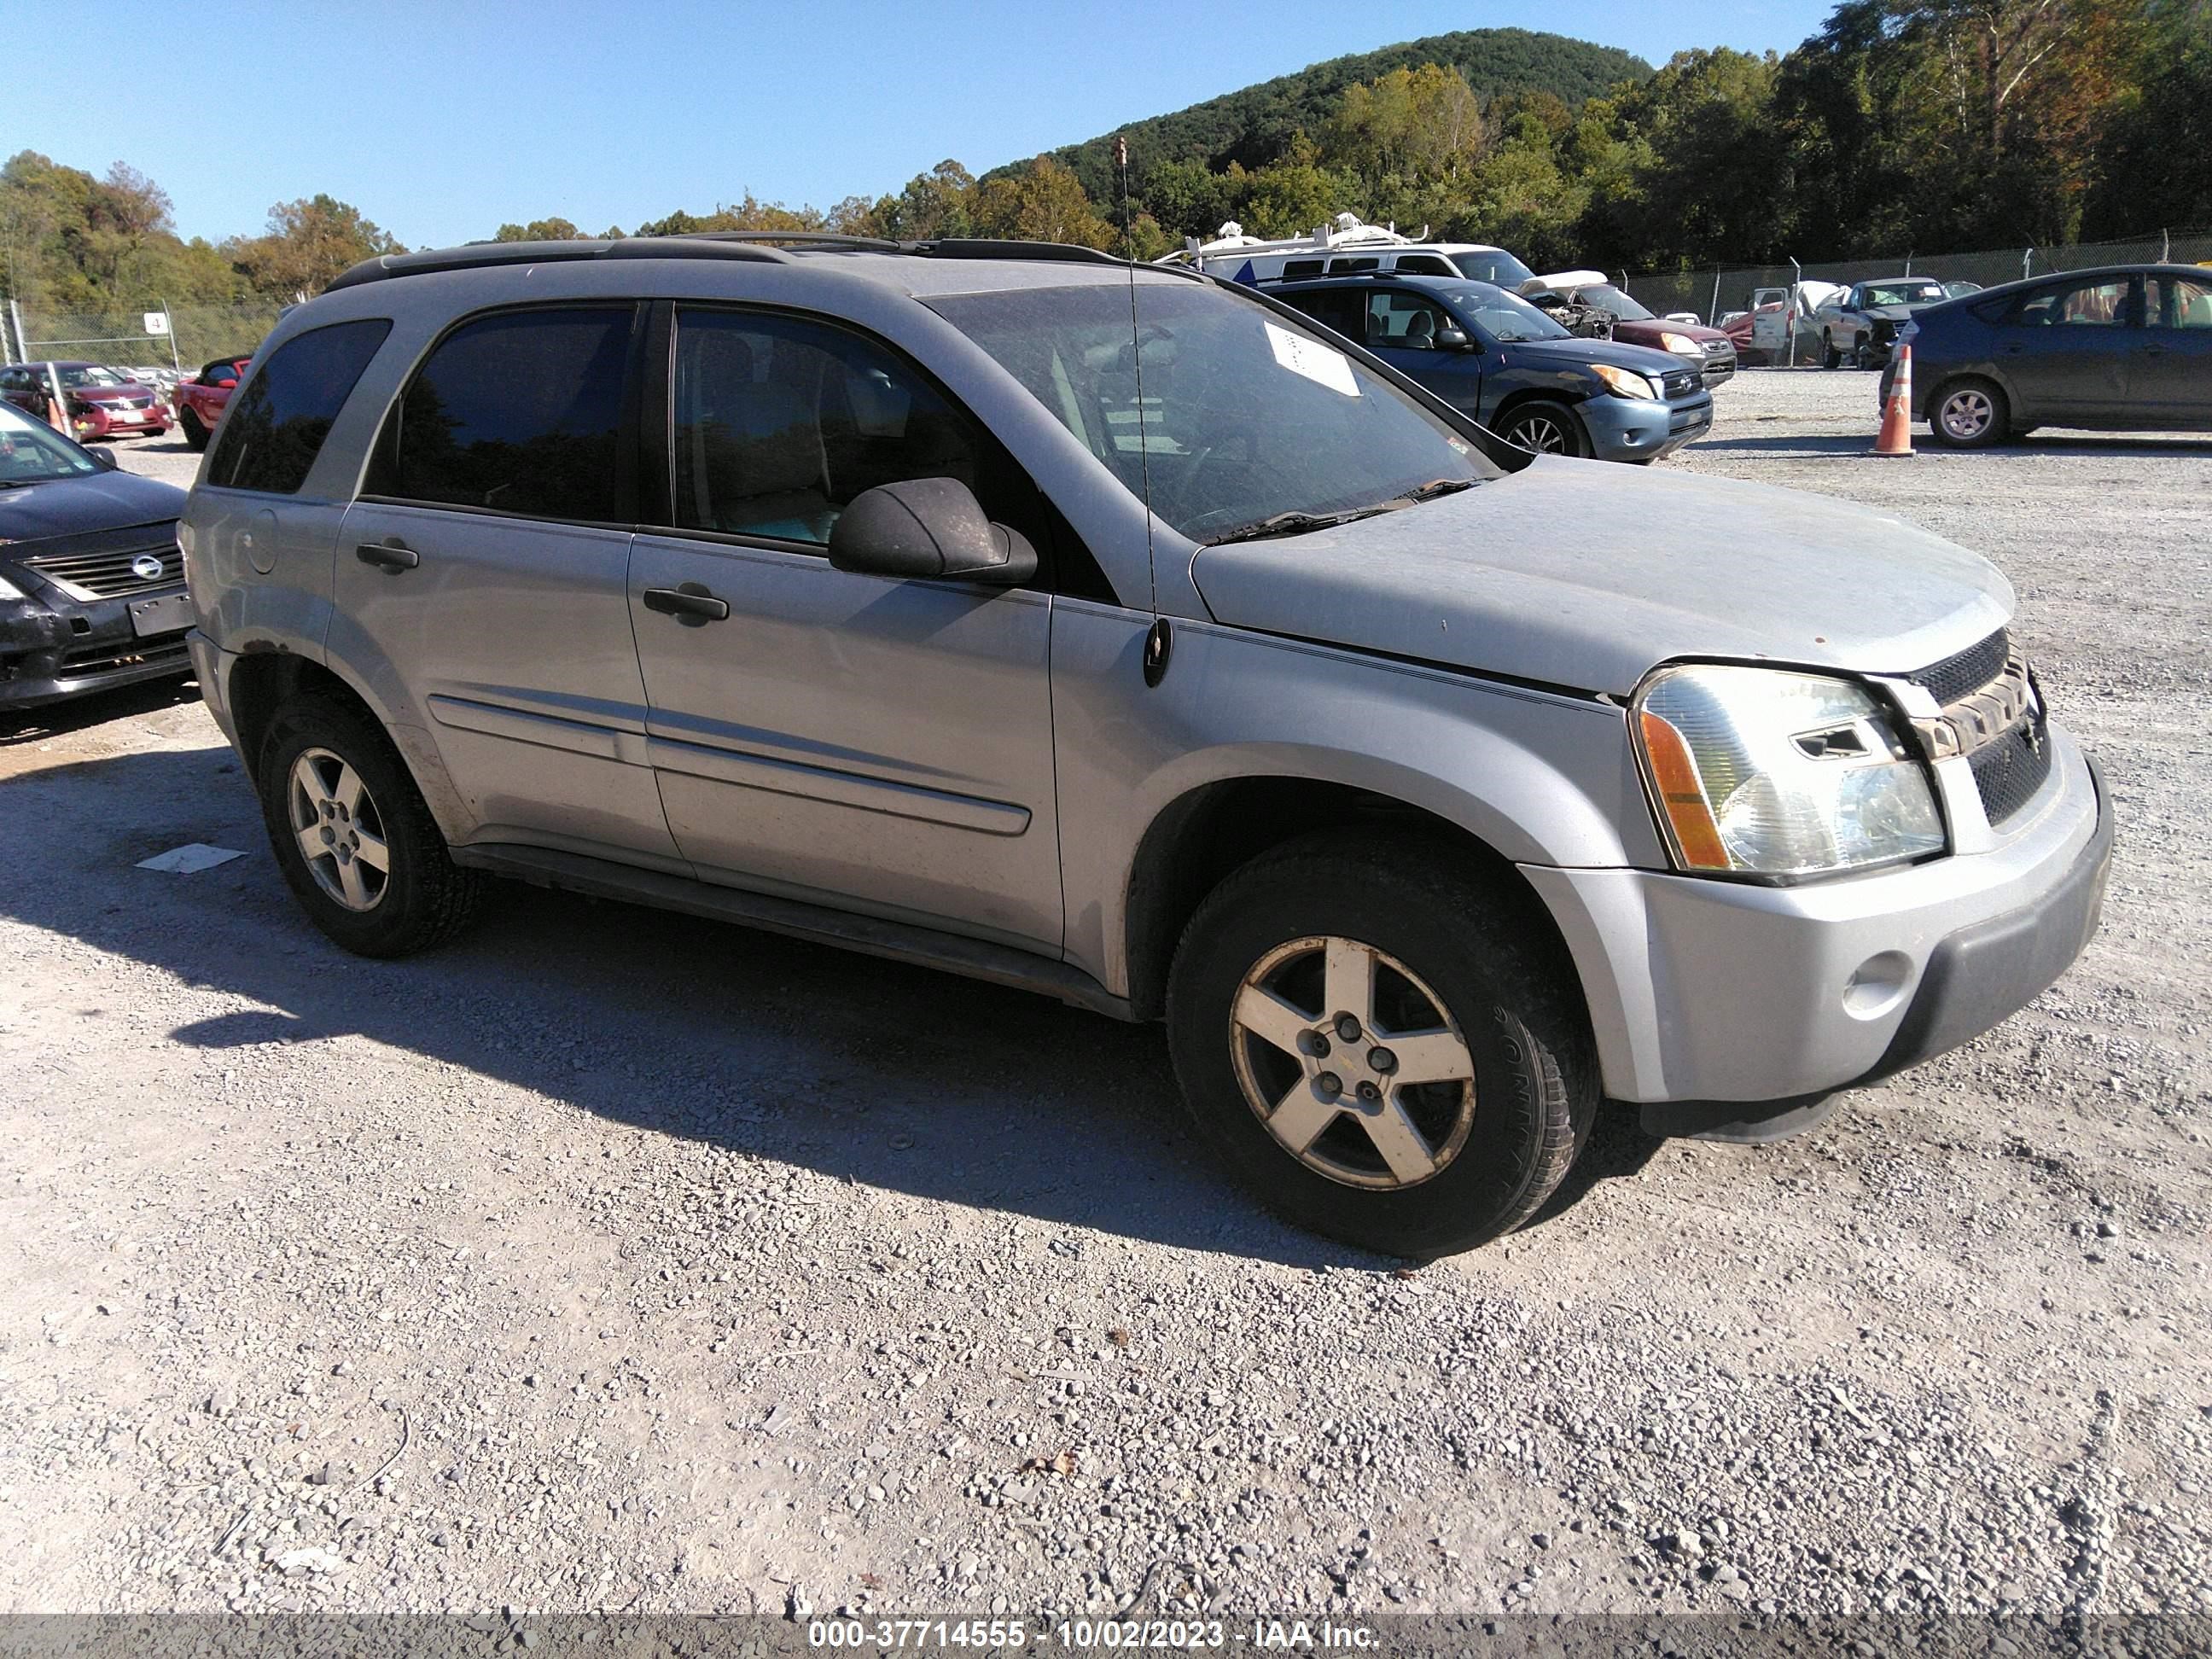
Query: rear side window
(519, 413)
(272, 432)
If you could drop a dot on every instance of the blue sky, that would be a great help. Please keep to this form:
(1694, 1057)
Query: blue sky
(440, 120)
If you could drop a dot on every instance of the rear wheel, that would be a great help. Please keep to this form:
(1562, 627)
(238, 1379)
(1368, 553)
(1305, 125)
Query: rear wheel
(1545, 428)
(1969, 413)
(195, 435)
(1372, 1040)
(357, 846)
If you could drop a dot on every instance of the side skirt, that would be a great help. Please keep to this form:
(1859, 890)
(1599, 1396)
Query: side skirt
(896, 941)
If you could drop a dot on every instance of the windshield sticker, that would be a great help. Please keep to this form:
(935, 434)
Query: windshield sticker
(1312, 360)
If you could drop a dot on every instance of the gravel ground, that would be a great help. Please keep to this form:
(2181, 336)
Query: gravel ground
(614, 1260)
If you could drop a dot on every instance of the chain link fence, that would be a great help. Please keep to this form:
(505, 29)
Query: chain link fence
(1713, 293)
(199, 334)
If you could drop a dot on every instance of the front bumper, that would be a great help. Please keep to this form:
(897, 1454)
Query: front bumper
(1643, 428)
(51, 649)
(95, 422)
(1714, 991)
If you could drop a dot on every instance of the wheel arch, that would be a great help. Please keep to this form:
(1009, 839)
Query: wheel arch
(1208, 832)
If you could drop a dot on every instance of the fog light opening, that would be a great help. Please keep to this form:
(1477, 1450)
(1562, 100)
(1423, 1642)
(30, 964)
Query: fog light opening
(1877, 985)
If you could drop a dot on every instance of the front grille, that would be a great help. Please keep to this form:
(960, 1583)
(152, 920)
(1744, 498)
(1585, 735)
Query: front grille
(107, 659)
(108, 572)
(1681, 383)
(1970, 670)
(2009, 770)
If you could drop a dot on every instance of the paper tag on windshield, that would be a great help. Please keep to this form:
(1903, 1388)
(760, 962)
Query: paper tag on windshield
(1312, 360)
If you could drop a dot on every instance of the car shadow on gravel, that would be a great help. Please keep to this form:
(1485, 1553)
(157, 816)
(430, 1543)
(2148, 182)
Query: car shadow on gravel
(865, 1071)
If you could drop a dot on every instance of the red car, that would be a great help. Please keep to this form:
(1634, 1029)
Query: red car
(201, 400)
(98, 402)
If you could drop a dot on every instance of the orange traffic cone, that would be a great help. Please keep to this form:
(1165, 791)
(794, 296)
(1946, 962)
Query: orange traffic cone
(1896, 435)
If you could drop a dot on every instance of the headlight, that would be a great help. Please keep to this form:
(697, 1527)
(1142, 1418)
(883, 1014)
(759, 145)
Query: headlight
(1626, 382)
(1765, 772)
(1682, 343)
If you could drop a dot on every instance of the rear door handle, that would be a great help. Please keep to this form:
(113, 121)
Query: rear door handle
(689, 603)
(388, 556)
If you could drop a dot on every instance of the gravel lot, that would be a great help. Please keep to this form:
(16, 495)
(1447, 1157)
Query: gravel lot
(616, 1261)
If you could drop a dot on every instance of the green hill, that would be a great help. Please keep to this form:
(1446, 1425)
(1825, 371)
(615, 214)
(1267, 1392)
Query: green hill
(1253, 125)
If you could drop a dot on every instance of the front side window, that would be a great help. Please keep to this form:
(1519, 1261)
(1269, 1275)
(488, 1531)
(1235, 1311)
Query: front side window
(1403, 322)
(2092, 305)
(1424, 265)
(272, 432)
(1245, 415)
(779, 422)
(518, 413)
(2180, 302)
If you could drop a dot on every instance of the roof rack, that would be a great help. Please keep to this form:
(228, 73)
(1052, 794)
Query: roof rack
(756, 245)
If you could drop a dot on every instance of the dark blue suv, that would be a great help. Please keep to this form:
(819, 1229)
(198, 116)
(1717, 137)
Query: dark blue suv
(1496, 357)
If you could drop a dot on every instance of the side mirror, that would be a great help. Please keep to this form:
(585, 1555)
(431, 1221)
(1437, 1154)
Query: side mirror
(225, 386)
(105, 456)
(1452, 339)
(928, 528)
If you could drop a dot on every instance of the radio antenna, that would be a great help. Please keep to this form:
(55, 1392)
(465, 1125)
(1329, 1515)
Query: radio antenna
(1158, 641)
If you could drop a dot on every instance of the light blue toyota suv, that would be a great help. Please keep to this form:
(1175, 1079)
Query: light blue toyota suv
(1123, 635)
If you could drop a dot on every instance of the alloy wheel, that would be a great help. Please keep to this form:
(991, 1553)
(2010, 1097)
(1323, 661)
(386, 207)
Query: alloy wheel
(1541, 434)
(1966, 414)
(1353, 1064)
(339, 829)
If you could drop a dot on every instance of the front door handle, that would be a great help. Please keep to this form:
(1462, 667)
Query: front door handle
(388, 556)
(689, 603)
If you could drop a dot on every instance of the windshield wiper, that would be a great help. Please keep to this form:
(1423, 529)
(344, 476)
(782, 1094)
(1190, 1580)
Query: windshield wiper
(1293, 524)
(1430, 491)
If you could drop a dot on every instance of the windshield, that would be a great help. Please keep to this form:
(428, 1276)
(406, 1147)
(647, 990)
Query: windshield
(1492, 266)
(84, 374)
(1606, 297)
(1247, 417)
(1901, 294)
(32, 451)
(1505, 317)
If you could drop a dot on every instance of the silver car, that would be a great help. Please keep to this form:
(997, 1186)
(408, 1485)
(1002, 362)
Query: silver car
(1120, 635)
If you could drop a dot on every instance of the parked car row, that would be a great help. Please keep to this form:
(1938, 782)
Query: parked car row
(98, 402)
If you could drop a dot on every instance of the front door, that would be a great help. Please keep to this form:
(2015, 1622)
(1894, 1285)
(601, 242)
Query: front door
(1411, 333)
(484, 570)
(877, 744)
(2172, 379)
(2066, 350)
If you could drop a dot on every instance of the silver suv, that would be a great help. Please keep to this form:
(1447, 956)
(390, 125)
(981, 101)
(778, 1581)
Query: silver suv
(1124, 636)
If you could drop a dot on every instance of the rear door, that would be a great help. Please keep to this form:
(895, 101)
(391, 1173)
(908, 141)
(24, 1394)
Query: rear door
(2066, 349)
(2171, 380)
(485, 566)
(876, 744)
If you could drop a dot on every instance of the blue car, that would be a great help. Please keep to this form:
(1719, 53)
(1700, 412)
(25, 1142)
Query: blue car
(2122, 349)
(1494, 356)
(92, 583)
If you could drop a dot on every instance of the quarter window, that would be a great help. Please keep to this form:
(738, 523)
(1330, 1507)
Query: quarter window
(780, 422)
(272, 431)
(519, 413)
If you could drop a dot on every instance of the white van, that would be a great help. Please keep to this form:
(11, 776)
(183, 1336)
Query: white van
(1346, 245)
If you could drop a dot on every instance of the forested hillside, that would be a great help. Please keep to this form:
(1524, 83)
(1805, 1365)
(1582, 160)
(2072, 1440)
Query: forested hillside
(1255, 126)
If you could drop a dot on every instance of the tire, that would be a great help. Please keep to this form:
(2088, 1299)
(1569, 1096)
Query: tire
(421, 897)
(1545, 428)
(1862, 354)
(1969, 413)
(195, 435)
(1450, 955)
(1829, 357)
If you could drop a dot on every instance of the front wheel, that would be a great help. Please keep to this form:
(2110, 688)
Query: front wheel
(351, 833)
(1379, 1044)
(1546, 429)
(1969, 413)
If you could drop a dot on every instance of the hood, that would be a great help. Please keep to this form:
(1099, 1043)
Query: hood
(69, 507)
(1588, 574)
(1653, 327)
(108, 394)
(1617, 352)
(1899, 313)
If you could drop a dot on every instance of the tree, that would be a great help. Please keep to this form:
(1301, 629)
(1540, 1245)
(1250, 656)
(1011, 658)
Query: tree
(539, 230)
(1046, 204)
(1411, 132)
(308, 245)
